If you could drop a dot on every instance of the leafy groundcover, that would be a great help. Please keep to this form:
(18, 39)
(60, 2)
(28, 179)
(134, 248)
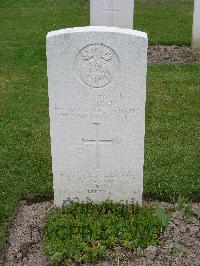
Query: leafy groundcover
(85, 232)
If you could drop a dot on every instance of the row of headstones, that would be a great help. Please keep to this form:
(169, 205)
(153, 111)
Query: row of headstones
(112, 13)
(97, 93)
(119, 13)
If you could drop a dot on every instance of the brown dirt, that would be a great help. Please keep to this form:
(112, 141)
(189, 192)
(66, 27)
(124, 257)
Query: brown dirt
(179, 245)
(159, 54)
(25, 236)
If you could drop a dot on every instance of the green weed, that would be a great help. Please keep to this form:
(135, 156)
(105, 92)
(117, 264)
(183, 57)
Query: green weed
(84, 232)
(163, 217)
(180, 203)
(189, 209)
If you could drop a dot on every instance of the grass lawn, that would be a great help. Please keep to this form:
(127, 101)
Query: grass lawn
(172, 140)
(172, 153)
(166, 23)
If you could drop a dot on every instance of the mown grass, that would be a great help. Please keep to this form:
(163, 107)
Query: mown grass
(172, 139)
(172, 153)
(166, 22)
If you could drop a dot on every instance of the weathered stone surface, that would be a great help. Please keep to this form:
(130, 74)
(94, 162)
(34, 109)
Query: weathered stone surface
(196, 27)
(118, 13)
(97, 91)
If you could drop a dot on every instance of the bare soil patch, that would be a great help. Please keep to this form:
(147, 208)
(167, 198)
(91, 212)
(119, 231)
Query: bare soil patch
(24, 242)
(160, 54)
(179, 245)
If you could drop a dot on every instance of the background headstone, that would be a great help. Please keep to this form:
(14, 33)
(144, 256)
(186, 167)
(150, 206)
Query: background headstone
(117, 13)
(97, 91)
(196, 26)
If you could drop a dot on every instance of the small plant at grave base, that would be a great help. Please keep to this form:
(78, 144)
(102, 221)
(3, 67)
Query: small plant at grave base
(189, 209)
(183, 203)
(174, 249)
(163, 217)
(198, 216)
(180, 203)
(85, 232)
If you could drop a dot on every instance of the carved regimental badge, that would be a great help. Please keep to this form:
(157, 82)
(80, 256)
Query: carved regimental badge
(97, 64)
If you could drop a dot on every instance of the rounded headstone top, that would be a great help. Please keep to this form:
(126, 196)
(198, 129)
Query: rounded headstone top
(97, 29)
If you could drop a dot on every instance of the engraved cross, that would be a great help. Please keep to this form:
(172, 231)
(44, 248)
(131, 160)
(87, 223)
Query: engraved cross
(98, 142)
(111, 10)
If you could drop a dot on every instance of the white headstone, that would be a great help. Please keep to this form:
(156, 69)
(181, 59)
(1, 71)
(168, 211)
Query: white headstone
(117, 13)
(196, 26)
(97, 91)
